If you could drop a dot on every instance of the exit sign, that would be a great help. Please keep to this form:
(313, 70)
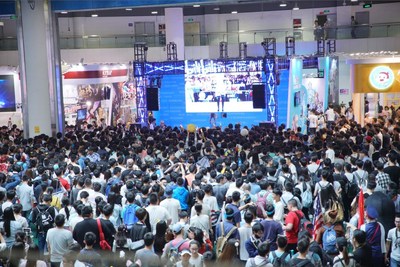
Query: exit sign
(367, 5)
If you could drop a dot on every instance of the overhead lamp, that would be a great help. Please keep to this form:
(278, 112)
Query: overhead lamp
(234, 12)
(283, 4)
(196, 5)
(216, 8)
(353, 0)
(94, 15)
(64, 12)
(296, 7)
(154, 12)
(128, 9)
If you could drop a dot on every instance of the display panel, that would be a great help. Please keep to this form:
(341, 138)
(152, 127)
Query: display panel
(221, 85)
(7, 93)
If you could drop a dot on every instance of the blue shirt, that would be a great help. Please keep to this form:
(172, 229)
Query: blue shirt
(237, 217)
(181, 194)
(227, 227)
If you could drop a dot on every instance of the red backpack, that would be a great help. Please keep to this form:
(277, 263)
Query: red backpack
(261, 204)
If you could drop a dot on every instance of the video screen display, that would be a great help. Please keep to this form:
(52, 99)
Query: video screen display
(7, 93)
(221, 86)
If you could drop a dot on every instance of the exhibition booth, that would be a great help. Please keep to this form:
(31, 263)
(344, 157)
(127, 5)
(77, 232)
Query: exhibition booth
(374, 80)
(10, 96)
(202, 92)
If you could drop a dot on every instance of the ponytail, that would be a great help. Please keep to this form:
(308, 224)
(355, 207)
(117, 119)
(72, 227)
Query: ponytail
(345, 253)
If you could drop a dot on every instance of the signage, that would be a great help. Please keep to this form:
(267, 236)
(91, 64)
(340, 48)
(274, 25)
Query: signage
(381, 78)
(367, 5)
(320, 73)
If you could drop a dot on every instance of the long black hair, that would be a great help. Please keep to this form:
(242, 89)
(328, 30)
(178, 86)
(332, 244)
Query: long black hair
(8, 216)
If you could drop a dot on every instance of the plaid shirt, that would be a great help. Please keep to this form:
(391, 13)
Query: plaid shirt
(383, 180)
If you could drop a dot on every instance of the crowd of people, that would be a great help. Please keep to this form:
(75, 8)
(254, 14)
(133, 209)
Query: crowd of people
(239, 196)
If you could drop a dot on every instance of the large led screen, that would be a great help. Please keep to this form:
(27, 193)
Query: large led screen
(221, 86)
(7, 93)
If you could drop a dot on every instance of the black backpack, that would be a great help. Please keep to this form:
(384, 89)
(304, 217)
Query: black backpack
(280, 261)
(44, 221)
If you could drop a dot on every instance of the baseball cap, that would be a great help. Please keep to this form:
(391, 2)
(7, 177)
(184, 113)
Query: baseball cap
(168, 191)
(185, 252)
(177, 227)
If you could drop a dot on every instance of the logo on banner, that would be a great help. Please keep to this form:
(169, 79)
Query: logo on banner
(106, 73)
(381, 77)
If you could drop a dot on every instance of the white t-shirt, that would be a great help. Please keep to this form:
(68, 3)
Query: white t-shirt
(156, 214)
(330, 115)
(313, 119)
(173, 207)
(244, 233)
(394, 237)
(279, 211)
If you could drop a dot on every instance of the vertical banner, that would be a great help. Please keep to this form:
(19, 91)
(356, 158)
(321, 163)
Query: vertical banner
(297, 97)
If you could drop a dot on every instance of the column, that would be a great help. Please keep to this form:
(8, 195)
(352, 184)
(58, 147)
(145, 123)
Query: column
(174, 30)
(40, 70)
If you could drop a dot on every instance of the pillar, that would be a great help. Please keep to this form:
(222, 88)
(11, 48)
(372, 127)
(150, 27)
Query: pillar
(174, 29)
(40, 68)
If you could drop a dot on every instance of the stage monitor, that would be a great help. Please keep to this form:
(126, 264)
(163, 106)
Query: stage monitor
(220, 92)
(81, 114)
(7, 93)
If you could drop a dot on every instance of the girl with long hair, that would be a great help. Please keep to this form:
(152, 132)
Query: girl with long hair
(10, 226)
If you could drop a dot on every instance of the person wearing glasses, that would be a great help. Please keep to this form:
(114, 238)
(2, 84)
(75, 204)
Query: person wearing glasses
(393, 244)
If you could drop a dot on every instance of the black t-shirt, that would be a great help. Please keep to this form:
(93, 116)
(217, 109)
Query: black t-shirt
(363, 256)
(90, 225)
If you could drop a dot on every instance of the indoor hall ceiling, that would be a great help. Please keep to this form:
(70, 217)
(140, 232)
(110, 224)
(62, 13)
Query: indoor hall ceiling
(218, 7)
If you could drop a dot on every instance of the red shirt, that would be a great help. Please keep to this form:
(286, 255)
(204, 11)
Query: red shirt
(293, 217)
(65, 184)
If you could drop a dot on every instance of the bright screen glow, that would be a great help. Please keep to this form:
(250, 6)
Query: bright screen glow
(7, 93)
(221, 85)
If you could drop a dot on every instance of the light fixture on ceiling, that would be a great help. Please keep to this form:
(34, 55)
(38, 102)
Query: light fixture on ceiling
(94, 15)
(353, 0)
(196, 5)
(216, 8)
(234, 12)
(296, 6)
(154, 12)
(128, 9)
(64, 12)
(283, 4)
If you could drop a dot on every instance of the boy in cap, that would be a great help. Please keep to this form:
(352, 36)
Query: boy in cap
(375, 236)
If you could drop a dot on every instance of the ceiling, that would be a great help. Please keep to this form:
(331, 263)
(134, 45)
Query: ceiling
(219, 7)
(79, 8)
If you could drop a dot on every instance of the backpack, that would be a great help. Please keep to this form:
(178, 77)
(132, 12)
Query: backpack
(304, 224)
(130, 218)
(221, 240)
(329, 240)
(306, 196)
(280, 261)
(44, 221)
(301, 263)
(352, 189)
(376, 142)
(261, 204)
(111, 184)
(361, 180)
(314, 176)
(173, 253)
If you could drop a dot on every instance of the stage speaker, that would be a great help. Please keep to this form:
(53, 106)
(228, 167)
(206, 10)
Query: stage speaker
(259, 96)
(152, 99)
